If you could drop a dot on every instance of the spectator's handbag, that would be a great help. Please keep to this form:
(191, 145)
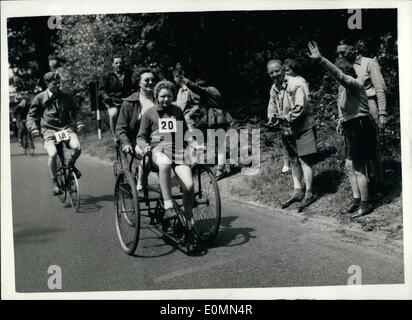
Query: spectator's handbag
(286, 128)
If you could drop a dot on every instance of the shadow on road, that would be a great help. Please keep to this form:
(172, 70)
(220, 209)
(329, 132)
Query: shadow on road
(28, 156)
(152, 244)
(90, 204)
(228, 237)
(34, 234)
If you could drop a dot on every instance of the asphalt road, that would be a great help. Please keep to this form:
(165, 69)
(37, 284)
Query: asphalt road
(256, 247)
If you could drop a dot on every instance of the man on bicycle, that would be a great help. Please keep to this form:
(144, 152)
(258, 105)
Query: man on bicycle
(55, 111)
(20, 113)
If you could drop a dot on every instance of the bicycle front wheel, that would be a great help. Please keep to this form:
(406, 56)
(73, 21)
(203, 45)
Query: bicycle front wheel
(61, 181)
(74, 191)
(126, 206)
(207, 205)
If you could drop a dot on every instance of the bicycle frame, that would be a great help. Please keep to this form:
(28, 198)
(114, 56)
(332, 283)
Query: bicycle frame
(130, 206)
(68, 174)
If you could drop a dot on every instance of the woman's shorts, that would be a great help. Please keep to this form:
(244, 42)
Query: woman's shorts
(360, 139)
(301, 144)
(168, 155)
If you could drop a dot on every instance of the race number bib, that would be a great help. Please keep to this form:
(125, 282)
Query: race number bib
(167, 125)
(62, 136)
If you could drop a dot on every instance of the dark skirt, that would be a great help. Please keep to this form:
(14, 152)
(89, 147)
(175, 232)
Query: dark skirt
(301, 144)
(360, 139)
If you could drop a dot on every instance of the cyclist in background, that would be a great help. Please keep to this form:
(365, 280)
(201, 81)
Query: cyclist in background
(55, 111)
(20, 114)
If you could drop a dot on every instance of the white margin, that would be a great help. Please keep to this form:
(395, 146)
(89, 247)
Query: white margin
(36, 8)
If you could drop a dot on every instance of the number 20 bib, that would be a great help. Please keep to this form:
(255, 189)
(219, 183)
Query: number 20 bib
(167, 125)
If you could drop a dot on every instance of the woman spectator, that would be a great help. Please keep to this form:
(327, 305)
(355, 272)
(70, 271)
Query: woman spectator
(131, 113)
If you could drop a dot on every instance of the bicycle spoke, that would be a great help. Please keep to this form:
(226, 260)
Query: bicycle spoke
(127, 218)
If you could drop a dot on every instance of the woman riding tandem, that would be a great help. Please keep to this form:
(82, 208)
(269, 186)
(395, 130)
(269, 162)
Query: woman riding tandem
(360, 137)
(131, 113)
(162, 131)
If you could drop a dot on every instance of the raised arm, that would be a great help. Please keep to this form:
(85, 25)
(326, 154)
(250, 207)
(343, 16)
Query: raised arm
(335, 72)
(212, 94)
(343, 79)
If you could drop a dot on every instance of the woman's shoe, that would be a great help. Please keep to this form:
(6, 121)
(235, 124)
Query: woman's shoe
(294, 198)
(307, 202)
(352, 207)
(362, 211)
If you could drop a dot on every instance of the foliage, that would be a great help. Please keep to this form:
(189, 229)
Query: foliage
(230, 49)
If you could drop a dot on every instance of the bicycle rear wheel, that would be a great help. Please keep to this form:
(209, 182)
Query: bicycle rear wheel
(30, 143)
(74, 191)
(61, 180)
(126, 205)
(25, 143)
(207, 205)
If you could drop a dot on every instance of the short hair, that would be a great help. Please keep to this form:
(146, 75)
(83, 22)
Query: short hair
(361, 47)
(117, 55)
(178, 72)
(136, 76)
(164, 84)
(274, 61)
(346, 42)
(50, 76)
(294, 65)
(346, 67)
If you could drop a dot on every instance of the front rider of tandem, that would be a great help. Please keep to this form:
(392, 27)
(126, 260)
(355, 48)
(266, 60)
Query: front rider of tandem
(55, 111)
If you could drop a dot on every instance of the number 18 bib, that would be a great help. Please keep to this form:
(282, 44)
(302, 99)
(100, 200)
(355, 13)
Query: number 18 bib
(62, 135)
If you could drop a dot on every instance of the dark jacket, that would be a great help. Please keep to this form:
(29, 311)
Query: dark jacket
(51, 115)
(114, 90)
(129, 120)
(20, 113)
(208, 110)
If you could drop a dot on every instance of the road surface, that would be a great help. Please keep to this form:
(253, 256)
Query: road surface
(256, 247)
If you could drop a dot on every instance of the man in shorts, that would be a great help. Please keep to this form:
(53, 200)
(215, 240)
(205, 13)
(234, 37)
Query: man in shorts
(368, 71)
(117, 85)
(55, 111)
